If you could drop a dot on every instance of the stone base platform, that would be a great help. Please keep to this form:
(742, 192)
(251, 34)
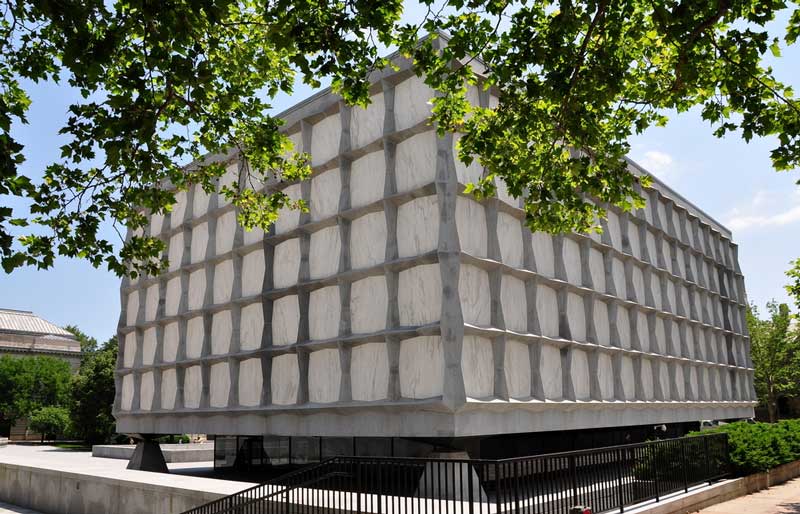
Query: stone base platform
(55, 481)
(3, 442)
(195, 452)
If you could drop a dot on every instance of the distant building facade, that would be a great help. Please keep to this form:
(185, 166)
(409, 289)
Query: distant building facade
(401, 307)
(24, 334)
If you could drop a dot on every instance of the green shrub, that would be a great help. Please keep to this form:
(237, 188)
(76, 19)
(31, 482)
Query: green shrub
(756, 447)
(52, 422)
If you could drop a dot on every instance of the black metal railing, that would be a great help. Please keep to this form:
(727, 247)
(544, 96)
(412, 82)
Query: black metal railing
(604, 479)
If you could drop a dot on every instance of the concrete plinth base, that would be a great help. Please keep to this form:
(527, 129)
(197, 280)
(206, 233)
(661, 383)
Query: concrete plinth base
(148, 457)
(468, 486)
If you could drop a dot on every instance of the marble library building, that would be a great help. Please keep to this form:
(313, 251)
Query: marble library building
(401, 316)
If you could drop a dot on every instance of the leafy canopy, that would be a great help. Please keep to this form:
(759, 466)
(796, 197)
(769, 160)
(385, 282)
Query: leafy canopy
(30, 383)
(92, 395)
(163, 83)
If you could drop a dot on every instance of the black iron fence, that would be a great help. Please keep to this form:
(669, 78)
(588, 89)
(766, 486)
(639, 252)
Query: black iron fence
(604, 479)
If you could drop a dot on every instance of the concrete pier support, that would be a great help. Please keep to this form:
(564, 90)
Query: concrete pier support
(148, 457)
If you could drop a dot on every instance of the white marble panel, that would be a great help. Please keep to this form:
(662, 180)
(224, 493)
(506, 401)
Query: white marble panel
(253, 267)
(650, 240)
(680, 386)
(415, 161)
(655, 289)
(421, 367)
(324, 376)
(473, 284)
(419, 296)
(624, 327)
(253, 235)
(614, 231)
(251, 382)
(192, 387)
(127, 392)
(605, 372)
(368, 240)
(689, 334)
(628, 378)
(195, 334)
(367, 179)
(369, 372)
(673, 300)
(132, 308)
(685, 299)
(220, 385)
(178, 209)
(681, 271)
(550, 370)
(571, 254)
(477, 367)
(156, 224)
(547, 310)
(325, 137)
(666, 249)
(516, 362)
(618, 275)
(200, 202)
(466, 174)
(129, 350)
(543, 256)
(229, 179)
(199, 242)
(601, 324)
(369, 300)
(412, 102)
(576, 316)
(223, 281)
(197, 289)
(637, 278)
(251, 326)
(326, 189)
(514, 302)
(503, 194)
(418, 226)
(324, 252)
(633, 239)
(225, 232)
(663, 378)
(149, 342)
(171, 339)
(285, 320)
(151, 303)
(285, 379)
(366, 125)
(221, 329)
(579, 370)
(169, 388)
(509, 235)
(642, 330)
(173, 297)
(597, 270)
(324, 311)
(471, 225)
(288, 219)
(661, 337)
(647, 380)
(286, 263)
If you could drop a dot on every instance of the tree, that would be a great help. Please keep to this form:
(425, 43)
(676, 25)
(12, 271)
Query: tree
(165, 82)
(88, 343)
(793, 288)
(775, 350)
(30, 383)
(51, 421)
(92, 395)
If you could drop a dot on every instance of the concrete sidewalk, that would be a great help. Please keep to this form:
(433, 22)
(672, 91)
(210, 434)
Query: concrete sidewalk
(779, 499)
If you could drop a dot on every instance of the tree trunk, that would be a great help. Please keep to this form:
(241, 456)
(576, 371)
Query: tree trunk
(772, 409)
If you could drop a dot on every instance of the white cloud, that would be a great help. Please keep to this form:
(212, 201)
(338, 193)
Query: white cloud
(660, 164)
(787, 211)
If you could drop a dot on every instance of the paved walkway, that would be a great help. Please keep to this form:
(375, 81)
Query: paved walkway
(779, 499)
(10, 509)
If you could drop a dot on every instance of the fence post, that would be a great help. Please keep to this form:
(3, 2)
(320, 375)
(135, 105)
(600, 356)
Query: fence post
(497, 485)
(707, 458)
(573, 475)
(683, 466)
(654, 467)
(620, 496)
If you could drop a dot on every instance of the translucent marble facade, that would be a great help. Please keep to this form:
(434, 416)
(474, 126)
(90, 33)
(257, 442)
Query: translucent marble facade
(399, 306)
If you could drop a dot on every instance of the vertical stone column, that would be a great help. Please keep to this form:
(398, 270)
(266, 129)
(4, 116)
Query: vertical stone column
(345, 329)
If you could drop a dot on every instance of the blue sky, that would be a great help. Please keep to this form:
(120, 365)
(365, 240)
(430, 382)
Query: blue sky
(732, 181)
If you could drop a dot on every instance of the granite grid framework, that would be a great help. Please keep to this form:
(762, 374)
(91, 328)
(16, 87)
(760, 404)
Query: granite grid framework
(399, 306)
